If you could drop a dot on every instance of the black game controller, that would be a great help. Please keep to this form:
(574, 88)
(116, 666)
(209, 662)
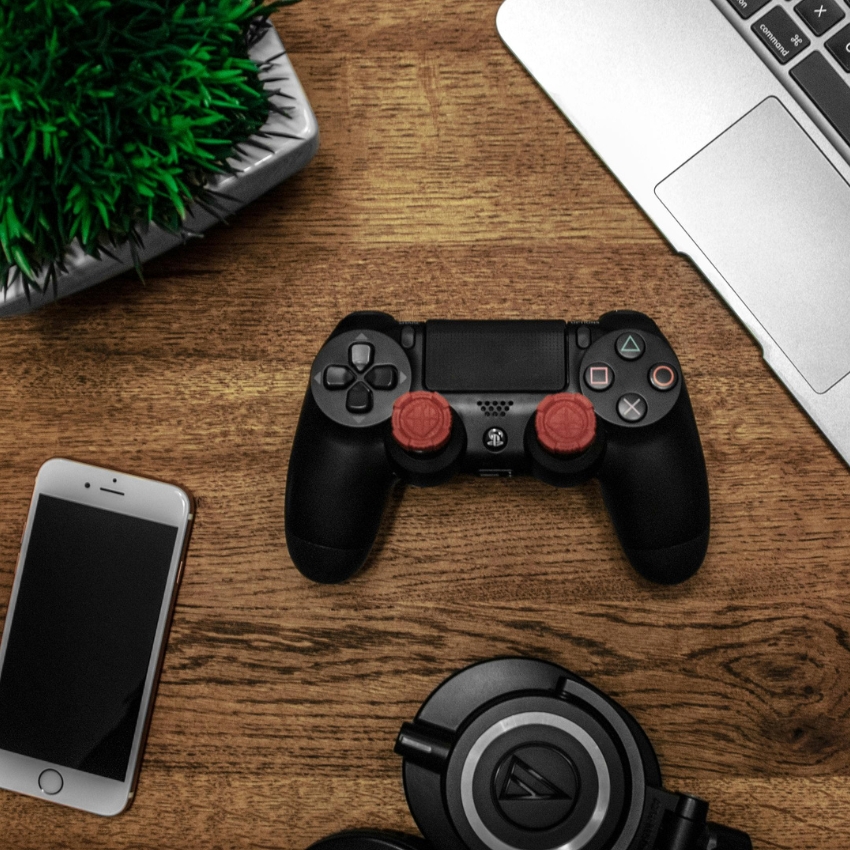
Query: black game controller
(562, 401)
(518, 754)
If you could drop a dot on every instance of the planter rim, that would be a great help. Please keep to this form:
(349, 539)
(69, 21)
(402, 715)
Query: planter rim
(260, 162)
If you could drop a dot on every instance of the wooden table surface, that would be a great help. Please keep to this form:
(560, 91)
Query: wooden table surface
(446, 185)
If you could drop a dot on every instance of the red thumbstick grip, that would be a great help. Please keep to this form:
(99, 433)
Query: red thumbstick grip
(565, 423)
(422, 421)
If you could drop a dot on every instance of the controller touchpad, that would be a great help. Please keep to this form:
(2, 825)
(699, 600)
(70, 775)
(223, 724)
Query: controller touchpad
(486, 356)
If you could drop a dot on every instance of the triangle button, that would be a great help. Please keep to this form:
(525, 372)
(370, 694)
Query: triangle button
(630, 345)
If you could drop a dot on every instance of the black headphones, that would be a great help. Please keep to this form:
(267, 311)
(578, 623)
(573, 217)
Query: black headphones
(518, 754)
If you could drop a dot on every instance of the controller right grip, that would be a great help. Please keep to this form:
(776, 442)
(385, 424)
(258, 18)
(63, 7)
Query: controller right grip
(336, 490)
(655, 486)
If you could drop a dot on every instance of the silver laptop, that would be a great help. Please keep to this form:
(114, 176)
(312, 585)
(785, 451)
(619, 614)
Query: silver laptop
(728, 121)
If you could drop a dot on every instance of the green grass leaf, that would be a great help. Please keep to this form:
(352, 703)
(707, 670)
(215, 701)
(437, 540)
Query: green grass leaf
(113, 114)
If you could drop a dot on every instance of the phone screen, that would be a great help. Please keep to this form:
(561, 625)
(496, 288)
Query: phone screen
(81, 636)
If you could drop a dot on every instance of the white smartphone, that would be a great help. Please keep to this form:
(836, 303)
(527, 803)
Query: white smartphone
(101, 558)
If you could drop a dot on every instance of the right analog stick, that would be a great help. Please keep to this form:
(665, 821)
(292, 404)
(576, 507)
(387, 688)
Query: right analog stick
(565, 423)
(422, 421)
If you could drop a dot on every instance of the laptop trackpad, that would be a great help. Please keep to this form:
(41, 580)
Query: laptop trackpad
(773, 216)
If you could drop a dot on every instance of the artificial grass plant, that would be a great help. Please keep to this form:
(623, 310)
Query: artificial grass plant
(113, 115)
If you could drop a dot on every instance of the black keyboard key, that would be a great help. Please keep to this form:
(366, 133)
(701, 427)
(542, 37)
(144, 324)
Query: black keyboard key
(747, 8)
(781, 34)
(839, 47)
(820, 15)
(824, 85)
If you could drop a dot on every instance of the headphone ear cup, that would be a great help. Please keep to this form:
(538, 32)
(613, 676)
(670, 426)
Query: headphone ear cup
(370, 840)
(518, 754)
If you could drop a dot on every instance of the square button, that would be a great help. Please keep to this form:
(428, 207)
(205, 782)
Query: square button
(599, 376)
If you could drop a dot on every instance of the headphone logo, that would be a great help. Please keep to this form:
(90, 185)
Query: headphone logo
(536, 787)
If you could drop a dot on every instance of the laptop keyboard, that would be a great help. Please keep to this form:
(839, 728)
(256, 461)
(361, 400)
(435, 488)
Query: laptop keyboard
(807, 44)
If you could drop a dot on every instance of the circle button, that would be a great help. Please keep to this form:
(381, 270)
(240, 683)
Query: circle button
(422, 421)
(663, 376)
(631, 407)
(630, 345)
(565, 423)
(50, 781)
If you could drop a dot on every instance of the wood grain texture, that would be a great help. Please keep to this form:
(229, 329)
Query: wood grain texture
(446, 185)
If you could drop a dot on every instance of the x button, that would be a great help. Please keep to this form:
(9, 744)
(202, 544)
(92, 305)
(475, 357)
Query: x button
(631, 407)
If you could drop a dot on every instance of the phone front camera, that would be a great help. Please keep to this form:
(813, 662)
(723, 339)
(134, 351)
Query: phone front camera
(87, 485)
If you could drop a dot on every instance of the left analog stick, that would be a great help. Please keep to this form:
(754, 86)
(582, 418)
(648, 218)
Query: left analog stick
(422, 421)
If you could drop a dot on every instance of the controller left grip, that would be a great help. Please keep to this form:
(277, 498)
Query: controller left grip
(336, 490)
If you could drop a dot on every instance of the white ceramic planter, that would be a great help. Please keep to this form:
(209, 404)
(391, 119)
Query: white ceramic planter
(257, 172)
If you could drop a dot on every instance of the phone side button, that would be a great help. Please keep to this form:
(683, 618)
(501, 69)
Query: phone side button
(50, 781)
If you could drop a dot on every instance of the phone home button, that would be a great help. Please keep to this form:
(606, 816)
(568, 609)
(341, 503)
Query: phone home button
(50, 781)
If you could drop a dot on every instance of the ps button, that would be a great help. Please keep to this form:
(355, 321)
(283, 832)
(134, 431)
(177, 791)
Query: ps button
(630, 345)
(663, 377)
(382, 378)
(338, 377)
(495, 439)
(360, 355)
(631, 407)
(408, 336)
(359, 399)
(599, 376)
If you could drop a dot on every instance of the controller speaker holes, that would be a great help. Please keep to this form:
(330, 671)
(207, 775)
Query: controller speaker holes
(495, 408)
